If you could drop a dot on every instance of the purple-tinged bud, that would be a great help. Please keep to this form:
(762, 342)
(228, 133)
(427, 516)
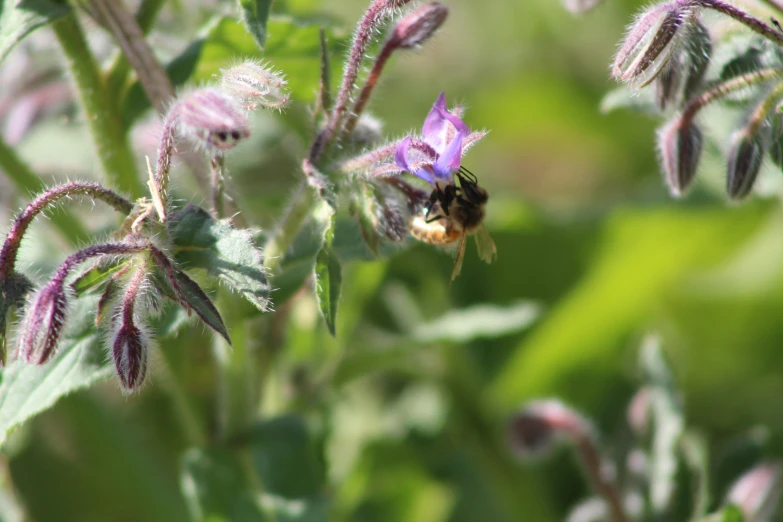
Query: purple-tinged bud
(651, 42)
(256, 85)
(745, 158)
(698, 48)
(43, 323)
(534, 430)
(418, 26)
(129, 350)
(668, 82)
(757, 492)
(580, 6)
(680, 144)
(211, 118)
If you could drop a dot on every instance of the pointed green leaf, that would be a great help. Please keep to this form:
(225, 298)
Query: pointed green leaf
(97, 275)
(192, 294)
(328, 278)
(255, 14)
(21, 17)
(216, 489)
(223, 251)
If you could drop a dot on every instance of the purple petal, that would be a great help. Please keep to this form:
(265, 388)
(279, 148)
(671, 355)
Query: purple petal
(450, 159)
(401, 158)
(458, 123)
(434, 128)
(401, 154)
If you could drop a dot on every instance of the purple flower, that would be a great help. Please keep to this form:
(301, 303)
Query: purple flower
(438, 153)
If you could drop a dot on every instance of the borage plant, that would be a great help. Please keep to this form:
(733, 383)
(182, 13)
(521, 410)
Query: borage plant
(128, 292)
(677, 65)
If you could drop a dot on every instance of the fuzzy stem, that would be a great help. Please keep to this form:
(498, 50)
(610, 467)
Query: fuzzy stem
(763, 109)
(51, 197)
(277, 245)
(726, 88)
(118, 71)
(324, 101)
(742, 17)
(369, 85)
(104, 249)
(369, 23)
(103, 119)
(592, 460)
(27, 181)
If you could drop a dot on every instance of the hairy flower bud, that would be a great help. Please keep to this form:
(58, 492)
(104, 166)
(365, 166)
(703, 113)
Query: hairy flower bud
(129, 351)
(535, 429)
(256, 85)
(680, 144)
(745, 158)
(757, 492)
(211, 118)
(43, 323)
(651, 42)
(418, 26)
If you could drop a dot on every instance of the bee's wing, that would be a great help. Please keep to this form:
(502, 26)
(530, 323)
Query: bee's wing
(485, 244)
(460, 256)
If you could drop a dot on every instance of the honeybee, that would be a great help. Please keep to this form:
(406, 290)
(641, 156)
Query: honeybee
(452, 213)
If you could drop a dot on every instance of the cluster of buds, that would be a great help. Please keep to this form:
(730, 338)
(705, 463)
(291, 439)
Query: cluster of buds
(668, 46)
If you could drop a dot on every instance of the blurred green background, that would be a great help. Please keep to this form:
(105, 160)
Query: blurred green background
(406, 409)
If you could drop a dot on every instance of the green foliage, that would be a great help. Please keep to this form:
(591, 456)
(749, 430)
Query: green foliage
(255, 14)
(22, 17)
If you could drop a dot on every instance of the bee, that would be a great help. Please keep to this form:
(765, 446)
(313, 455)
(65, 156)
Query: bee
(451, 213)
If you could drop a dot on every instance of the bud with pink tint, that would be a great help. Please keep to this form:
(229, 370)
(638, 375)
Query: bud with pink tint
(210, 118)
(418, 26)
(256, 85)
(757, 492)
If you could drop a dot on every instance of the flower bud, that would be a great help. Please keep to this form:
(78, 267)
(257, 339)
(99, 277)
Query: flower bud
(745, 157)
(535, 429)
(211, 118)
(698, 48)
(256, 85)
(680, 144)
(418, 26)
(43, 323)
(757, 492)
(650, 43)
(129, 351)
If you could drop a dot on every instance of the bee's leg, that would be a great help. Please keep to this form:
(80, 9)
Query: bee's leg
(446, 197)
(434, 218)
(430, 202)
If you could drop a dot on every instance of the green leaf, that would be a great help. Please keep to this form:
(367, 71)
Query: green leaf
(729, 513)
(328, 273)
(192, 294)
(216, 489)
(255, 14)
(696, 456)
(624, 98)
(97, 275)
(669, 422)
(80, 361)
(18, 18)
(479, 321)
(223, 251)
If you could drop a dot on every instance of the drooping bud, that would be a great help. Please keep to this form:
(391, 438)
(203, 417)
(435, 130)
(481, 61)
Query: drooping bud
(651, 42)
(129, 351)
(210, 118)
(757, 492)
(668, 82)
(256, 85)
(418, 26)
(698, 49)
(745, 158)
(680, 143)
(43, 323)
(534, 430)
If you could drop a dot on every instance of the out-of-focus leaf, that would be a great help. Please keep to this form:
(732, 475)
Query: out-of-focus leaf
(624, 98)
(668, 423)
(285, 458)
(10, 510)
(255, 14)
(327, 271)
(97, 275)
(216, 488)
(198, 301)
(80, 361)
(291, 46)
(730, 513)
(478, 321)
(18, 18)
(643, 255)
(695, 454)
(223, 251)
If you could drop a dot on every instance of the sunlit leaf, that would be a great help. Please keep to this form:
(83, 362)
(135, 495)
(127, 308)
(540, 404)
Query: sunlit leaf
(97, 275)
(18, 18)
(223, 251)
(255, 14)
(328, 278)
(197, 300)
(479, 321)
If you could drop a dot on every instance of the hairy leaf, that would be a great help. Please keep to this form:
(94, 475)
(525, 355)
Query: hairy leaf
(21, 17)
(199, 302)
(255, 14)
(223, 251)
(328, 278)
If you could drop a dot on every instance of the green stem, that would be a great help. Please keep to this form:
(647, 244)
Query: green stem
(278, 244)
(103, 119)
(27, 181)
